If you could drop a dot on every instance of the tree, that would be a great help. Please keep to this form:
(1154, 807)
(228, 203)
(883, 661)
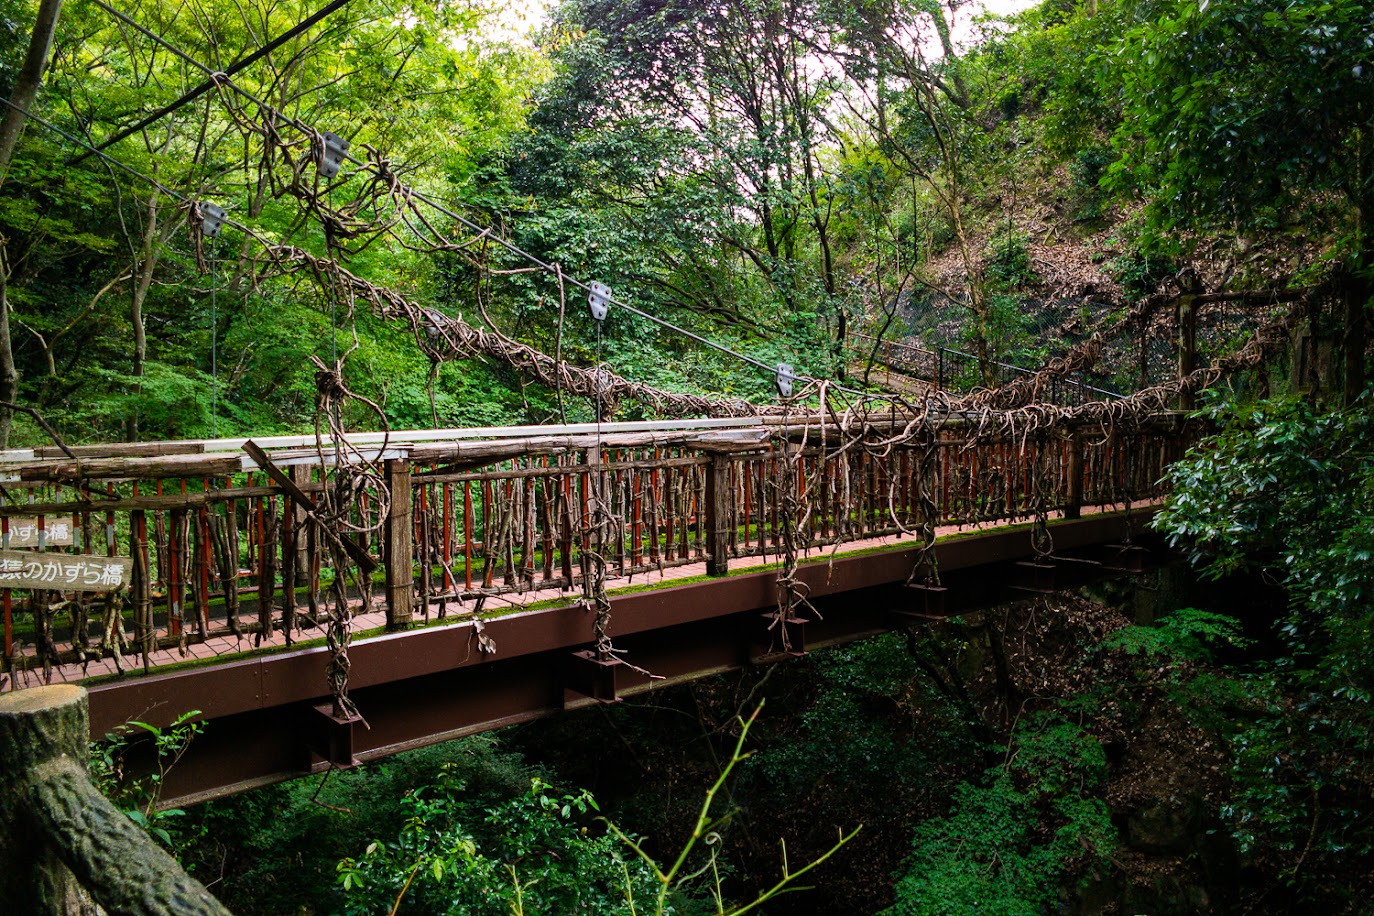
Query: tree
(22, 96)
(111, 307)
(696, 134)
(1009, 845)
(1246, 117)
(1284, 488)
(908, 93)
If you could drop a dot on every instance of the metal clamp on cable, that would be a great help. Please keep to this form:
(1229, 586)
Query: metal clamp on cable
(599, 300)
(784, 380)
(330, 154)
(211, 218)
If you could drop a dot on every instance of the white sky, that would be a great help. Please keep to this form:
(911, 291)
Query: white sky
(521, 17)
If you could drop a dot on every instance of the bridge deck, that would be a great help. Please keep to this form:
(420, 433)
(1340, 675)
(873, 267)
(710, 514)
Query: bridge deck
(269, 716)
(371, 621)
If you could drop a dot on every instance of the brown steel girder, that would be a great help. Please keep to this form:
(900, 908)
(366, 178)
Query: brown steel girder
(424, 686)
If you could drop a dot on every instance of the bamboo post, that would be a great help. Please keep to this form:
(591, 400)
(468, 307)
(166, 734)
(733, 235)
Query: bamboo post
(56, 829)
(718, 514)
(400, 560)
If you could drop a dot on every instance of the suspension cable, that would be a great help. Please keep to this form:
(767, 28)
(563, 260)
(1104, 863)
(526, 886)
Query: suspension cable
(117, 163)
(192, 94)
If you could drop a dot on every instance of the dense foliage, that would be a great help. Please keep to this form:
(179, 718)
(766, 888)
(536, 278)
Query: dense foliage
(528, 854)
(777, 176)
(1285, 488)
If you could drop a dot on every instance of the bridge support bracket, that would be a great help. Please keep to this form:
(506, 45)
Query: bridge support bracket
(929, 599)
(601, 679)
(1035, 576)
(1126, 558)
(1082, 563)
(331, 736)
(769, 645)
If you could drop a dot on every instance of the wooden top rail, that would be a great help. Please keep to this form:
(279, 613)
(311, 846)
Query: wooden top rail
(469, 454)
(151, 503)
(397, 438)
(57, 830)
(462, 455)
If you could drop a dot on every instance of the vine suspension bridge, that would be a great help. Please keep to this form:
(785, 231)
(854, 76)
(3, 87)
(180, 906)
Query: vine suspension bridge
(331, 599)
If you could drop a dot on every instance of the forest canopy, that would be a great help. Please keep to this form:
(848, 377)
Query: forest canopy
(791, 179)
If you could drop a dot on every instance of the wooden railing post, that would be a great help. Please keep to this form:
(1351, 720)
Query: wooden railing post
(56, 829)
(1187, 309)
(1187, 347)
(592, 505)
(400, 551)
(1073, 504)
(717, 521)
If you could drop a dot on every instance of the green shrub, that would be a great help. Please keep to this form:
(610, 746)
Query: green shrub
(1009, 845)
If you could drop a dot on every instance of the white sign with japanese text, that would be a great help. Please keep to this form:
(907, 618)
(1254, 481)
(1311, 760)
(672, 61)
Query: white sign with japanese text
(68, 572)
(57, 532)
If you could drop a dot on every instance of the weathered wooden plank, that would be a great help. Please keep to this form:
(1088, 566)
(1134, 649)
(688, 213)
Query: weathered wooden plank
(123, 449)
(128, 468)
(149, 503)
(559, 470)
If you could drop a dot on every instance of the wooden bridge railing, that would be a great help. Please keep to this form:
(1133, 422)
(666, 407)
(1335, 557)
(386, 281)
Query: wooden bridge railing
(202, 551)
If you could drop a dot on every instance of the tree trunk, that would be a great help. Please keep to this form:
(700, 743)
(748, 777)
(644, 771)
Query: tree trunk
(9, 375)
(36, 725)
(11, 125)
(940, 17)
(148, 249)
(29, 79)
(56, 826)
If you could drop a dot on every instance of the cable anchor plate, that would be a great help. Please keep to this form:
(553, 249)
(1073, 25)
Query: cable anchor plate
(330, 151)
(599, 300)
(211, 218)
(784, 380)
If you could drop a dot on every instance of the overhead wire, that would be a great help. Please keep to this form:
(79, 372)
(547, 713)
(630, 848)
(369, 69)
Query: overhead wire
(382, 171)
(856, 422)
(387, 174)
(192, 94)
(117, 163)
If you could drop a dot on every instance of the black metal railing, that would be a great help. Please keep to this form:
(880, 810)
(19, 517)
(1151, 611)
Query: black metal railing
(948, 369)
